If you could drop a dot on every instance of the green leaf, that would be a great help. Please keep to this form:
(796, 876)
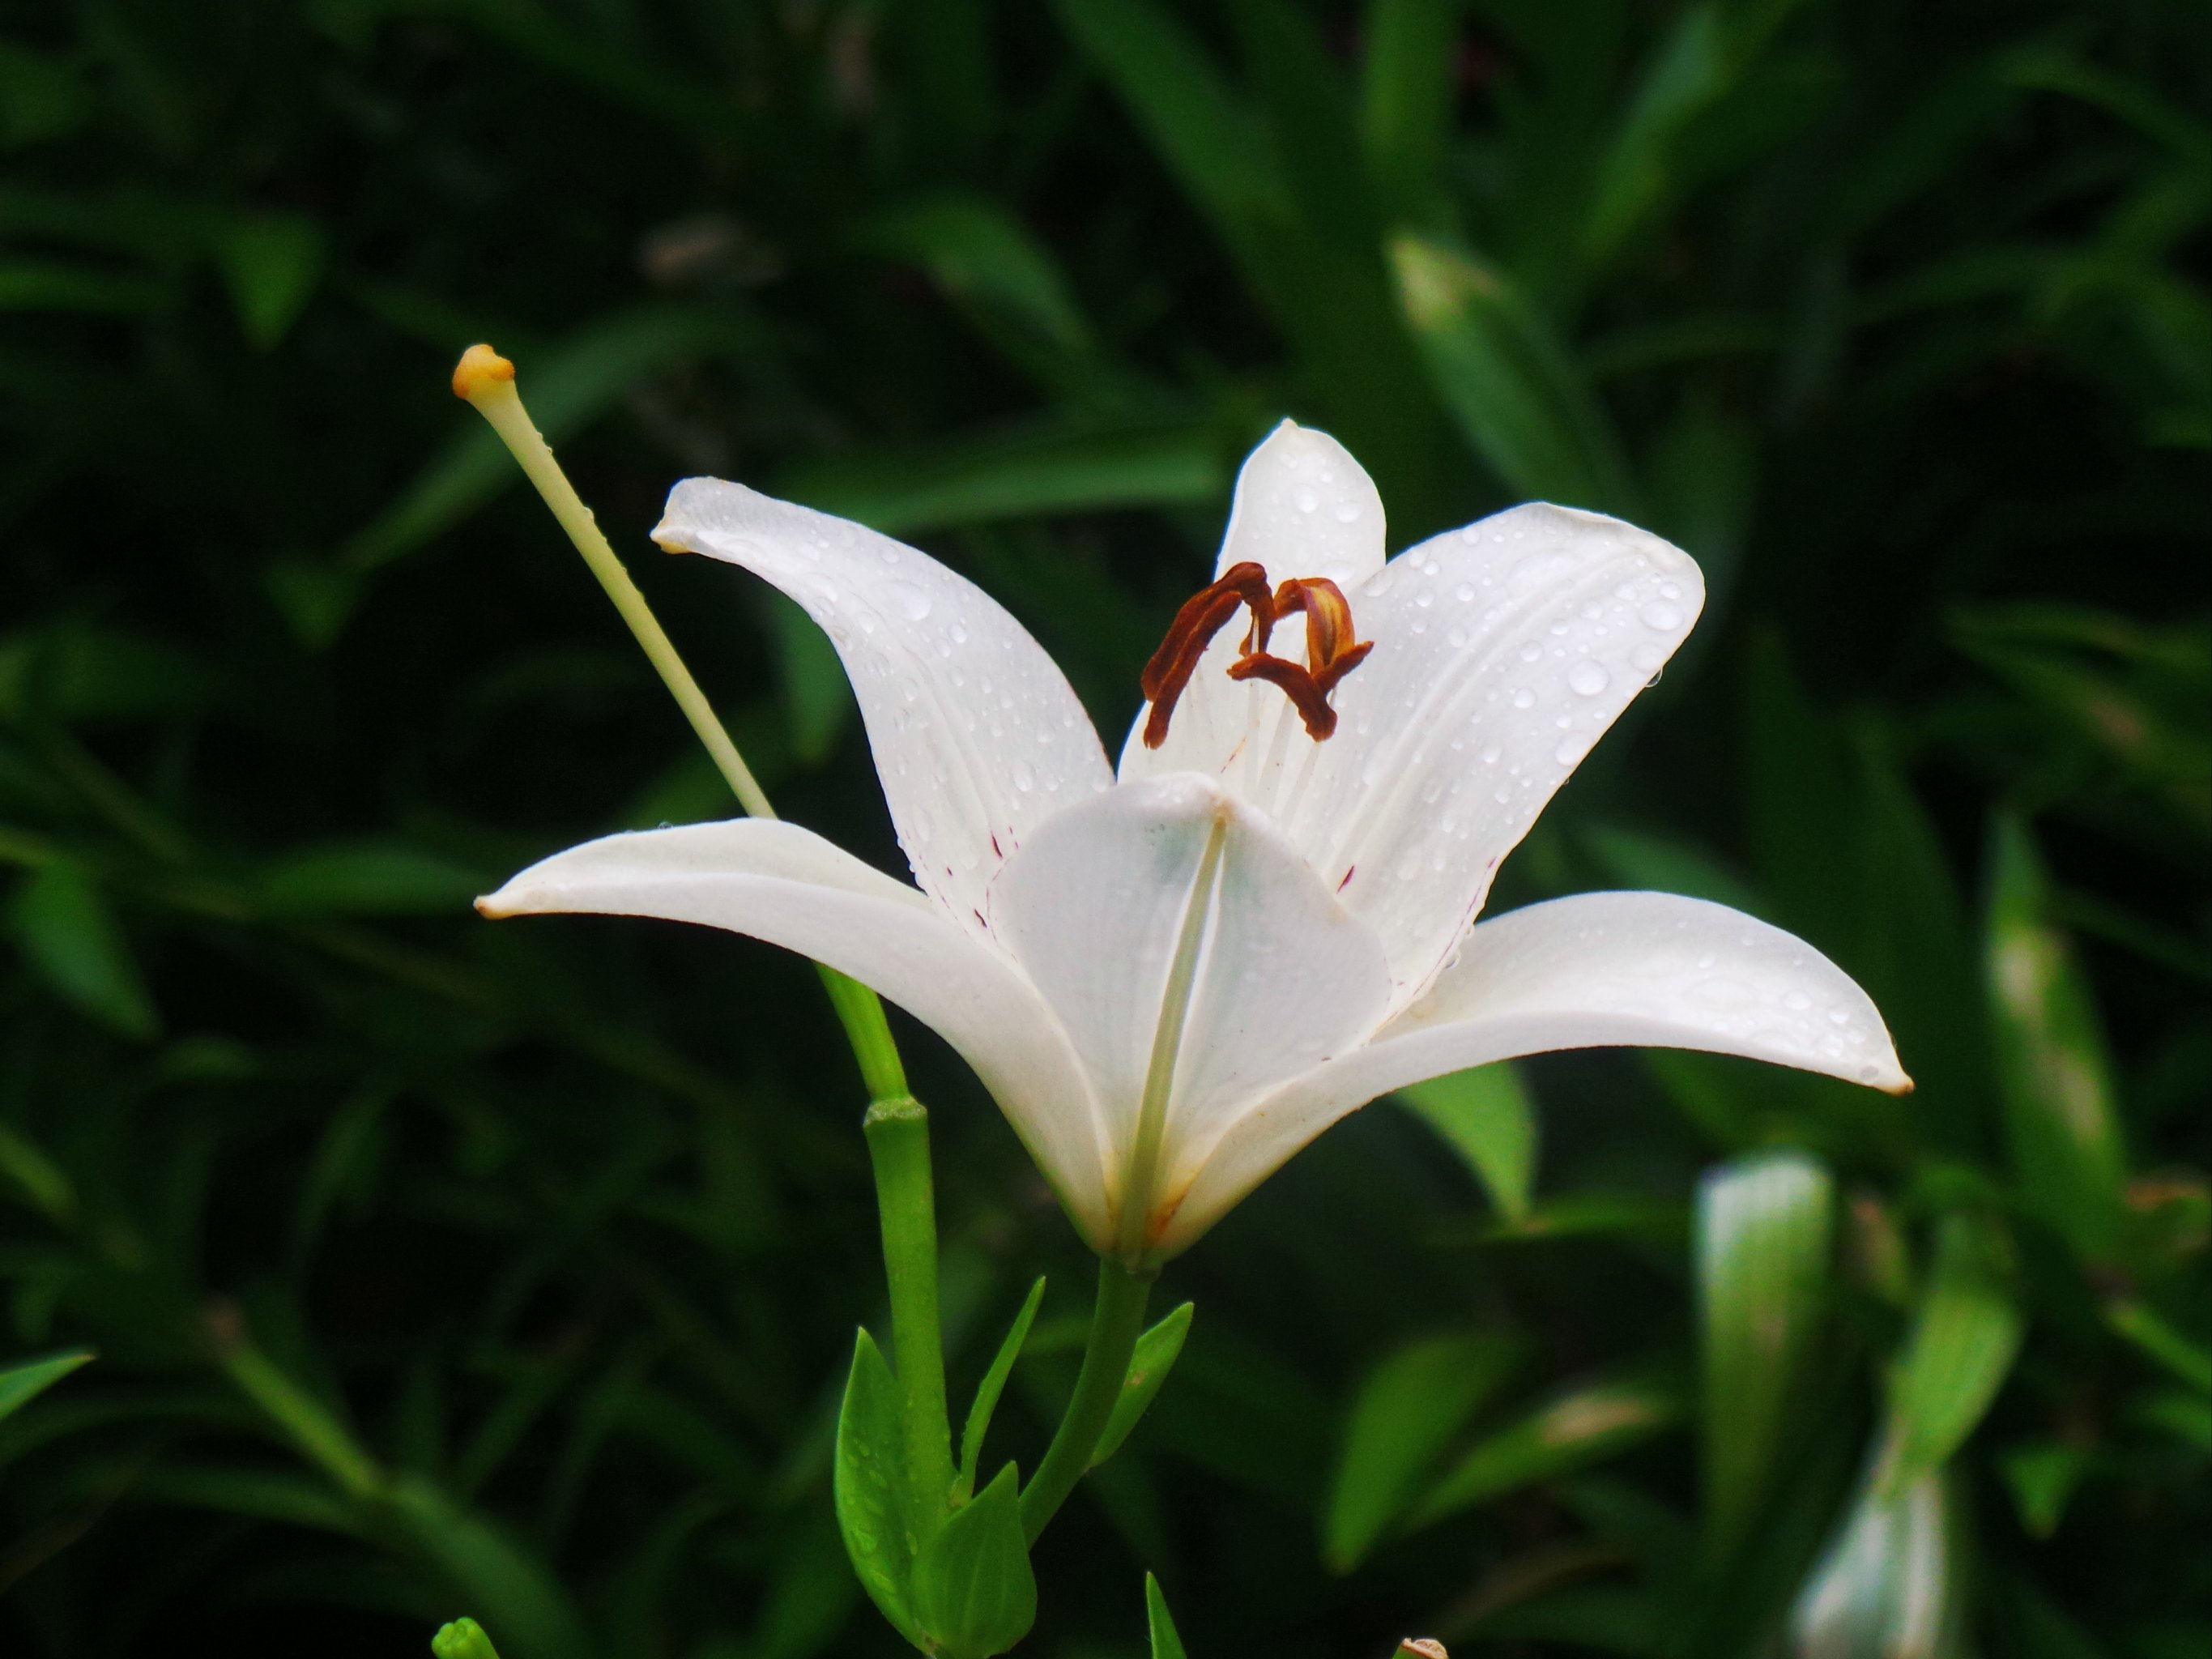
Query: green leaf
(1406, 107)
(1485, 1115)
(1166, 1643)
(22, 1382)
(464, 1638)
(1410, 1407)
(1887, 1586)
(1764, 1233)
(1964, 1338)
(61, 923)
(2154, 1334)
(1518, 400)
(1578, 1427)
(869, 1484)
(978, 253)
(2051, 1063)
(369, 878)
(974, 1593)
(988, 1390)
(1019, 473)
(271, 263)
(1149, 1365)
(2042, 1476)
(1204, 130)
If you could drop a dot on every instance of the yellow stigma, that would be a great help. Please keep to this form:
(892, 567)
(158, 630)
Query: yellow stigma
(479, 370)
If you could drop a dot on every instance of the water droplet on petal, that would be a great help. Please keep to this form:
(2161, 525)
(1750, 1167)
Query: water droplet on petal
(1524, 698)
(1588, 678)
(1024, 777)
(1666, 618)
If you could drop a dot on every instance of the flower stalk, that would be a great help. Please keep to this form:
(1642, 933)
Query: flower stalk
(898, 1147)
(1117, 1320)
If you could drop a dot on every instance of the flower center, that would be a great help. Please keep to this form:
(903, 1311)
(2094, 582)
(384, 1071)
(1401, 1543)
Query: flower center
(1332, 650)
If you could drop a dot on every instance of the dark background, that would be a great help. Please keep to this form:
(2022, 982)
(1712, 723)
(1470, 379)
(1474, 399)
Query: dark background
(439, 1266)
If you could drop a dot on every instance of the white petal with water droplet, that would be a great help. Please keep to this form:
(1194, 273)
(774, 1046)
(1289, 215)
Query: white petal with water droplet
(961, 704)
(1552, 644)
(1597, 970)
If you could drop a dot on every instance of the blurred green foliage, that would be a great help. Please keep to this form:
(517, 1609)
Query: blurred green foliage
(435, 1266)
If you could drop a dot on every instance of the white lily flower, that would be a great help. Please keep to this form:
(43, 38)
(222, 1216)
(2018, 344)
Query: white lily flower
(1174, 977)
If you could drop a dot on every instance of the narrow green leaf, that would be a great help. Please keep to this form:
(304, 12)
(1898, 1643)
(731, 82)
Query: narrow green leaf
(1766, 1228)
(1206, 133)
(988, 1390)
(271, 263)
(870, 1486)
(1962, 1343)
(1166, 1643)
(1887, 1586)
(42, 1183)
(1581, 1426)
(464, 1638)
(974, 1593)
(1155, 1357)
(374, 877)
(978, 253)
(1486, 1117)
(2156, 1335)
(2042, 1476)
(1013, 474)
(1410, 1407)
(25, 1379)
(1406, 104)
(1518, 400)
(61, 923)
(2052, 1068)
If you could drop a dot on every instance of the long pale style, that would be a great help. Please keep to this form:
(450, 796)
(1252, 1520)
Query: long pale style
(1173, 974)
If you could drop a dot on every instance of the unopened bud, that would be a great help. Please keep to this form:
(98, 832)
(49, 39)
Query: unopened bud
(462, 1639)
(1423, 1647)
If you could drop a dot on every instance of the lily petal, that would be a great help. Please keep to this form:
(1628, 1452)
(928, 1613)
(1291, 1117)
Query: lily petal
(1597, 970)
(1303, 507)
(1101, 902)
(976, 734)
(1502, 652)
(788, 885)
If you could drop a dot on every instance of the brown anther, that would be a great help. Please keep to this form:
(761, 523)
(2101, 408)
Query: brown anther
(1202, 617)
(1331, 652)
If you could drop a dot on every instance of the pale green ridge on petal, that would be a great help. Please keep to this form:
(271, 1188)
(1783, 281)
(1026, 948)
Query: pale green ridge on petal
(1596, 970)
(1094, 907)
(1303, 507)
(789, 886)
(1503, 650)
(976, 734)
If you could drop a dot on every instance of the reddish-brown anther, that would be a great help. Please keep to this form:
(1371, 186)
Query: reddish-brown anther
(1201, 617)
(1332, 652)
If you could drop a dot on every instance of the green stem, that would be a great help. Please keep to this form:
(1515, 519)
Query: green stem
(1116, 1323)
(486, 382)
(898, 1147)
